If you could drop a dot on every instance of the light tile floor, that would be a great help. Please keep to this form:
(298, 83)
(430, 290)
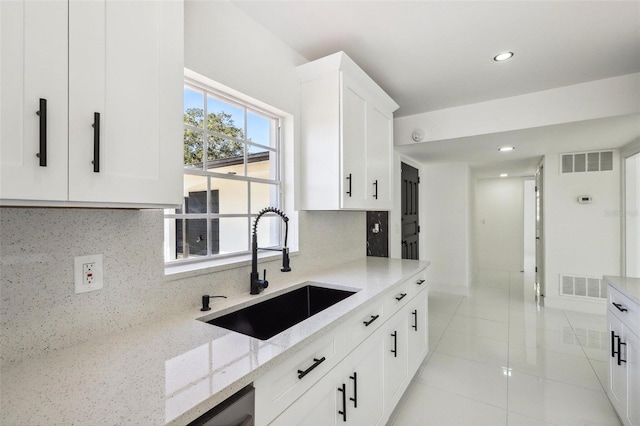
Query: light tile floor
(496, 358)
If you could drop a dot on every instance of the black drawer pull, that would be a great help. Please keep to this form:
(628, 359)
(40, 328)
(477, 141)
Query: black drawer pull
(394, 351)
(42, 113)
(415, 319)
(355, 389)
(376, 193)
(620, 343)
(349, 179)
(373, 318)
(402, 296)
(420, 282)
(343, 389)
(619, 306)
(96, 142)
(316, 362)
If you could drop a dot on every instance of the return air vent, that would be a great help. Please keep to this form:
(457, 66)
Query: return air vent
(587, 162)
(590, 287)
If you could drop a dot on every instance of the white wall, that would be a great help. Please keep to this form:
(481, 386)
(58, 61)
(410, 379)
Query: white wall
(446, 191)
(498, 224)
(580, 239)
(632, 216)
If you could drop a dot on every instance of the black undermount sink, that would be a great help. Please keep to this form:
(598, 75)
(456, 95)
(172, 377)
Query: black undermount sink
(270, 317)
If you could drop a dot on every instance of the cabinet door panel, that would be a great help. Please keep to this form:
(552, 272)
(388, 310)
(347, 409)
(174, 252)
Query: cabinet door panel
(364, 374)
(354, 151)
(379, 158)
(617, 373)
(33, 65)
(141, 88)
(395, 359)
(418, 331)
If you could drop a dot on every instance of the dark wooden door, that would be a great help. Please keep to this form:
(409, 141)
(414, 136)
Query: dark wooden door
(410, 225)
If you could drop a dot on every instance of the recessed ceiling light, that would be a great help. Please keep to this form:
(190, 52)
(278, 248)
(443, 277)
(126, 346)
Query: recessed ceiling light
(503, 175)
(506, 149)
(503, 56)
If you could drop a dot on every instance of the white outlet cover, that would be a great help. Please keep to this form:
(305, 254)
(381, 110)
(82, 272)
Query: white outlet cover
(96, 284)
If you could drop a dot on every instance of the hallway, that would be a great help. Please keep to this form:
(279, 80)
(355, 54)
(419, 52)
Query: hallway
(497, 359)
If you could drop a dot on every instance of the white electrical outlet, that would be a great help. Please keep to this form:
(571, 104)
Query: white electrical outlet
(88, 273)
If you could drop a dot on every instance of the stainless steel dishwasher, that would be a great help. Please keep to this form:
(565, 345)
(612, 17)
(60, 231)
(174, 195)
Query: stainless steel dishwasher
(237, 410)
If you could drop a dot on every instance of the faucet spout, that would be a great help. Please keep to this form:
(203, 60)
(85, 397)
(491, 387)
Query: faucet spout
(257, 284)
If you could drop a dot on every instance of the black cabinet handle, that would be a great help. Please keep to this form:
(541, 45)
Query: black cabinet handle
(420, 282)
(619, 306)
(613, 343)
(355, 389)
(349, 179)
(42, 113)
(394, 351)
(316, 362)
(96, 142)
(621, 343)
(415, 319)
(373, 318)
(344, 402)
(375, 184)
(402, 296)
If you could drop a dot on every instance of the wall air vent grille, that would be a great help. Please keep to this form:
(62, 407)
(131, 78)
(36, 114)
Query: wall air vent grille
(590, 287)
(600, 161)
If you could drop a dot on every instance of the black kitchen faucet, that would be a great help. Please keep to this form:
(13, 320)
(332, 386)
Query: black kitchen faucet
(257, 284)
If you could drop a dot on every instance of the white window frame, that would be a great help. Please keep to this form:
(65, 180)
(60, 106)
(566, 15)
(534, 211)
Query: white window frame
(241, 258)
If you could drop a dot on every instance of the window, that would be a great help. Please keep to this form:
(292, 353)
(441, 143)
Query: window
(232, 170)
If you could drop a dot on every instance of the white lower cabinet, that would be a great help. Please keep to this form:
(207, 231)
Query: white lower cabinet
(384, 344)
(350, 394)
(623, 318)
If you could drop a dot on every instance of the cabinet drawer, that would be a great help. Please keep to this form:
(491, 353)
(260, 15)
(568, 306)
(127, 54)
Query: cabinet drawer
(282, 385)
(403, 293)
(364, 324)
(625, 309)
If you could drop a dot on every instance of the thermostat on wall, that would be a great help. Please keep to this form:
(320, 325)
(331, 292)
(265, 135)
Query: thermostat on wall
(584, 199)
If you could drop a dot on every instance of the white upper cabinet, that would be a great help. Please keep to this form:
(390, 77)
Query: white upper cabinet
(347, 137)
(33, 80)
(121, 142)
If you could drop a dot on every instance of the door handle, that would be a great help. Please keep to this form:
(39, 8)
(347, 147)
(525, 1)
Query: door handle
(355, 389)
(343, 389)
(613, 343)
(96, 142)
(373, 318)
(415, 319)
(349, 179)
(394, 351)
(619, 306)
(375, 184)
(42, 113)
(316, 362)
(621, 343)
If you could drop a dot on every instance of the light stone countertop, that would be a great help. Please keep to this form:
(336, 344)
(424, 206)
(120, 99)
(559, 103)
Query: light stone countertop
(171, 371)
(629, 286)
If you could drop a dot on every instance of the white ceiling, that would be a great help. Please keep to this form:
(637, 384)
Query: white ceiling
(430, 55)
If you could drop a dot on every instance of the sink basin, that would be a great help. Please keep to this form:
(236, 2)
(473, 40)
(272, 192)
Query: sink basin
(270, 317)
